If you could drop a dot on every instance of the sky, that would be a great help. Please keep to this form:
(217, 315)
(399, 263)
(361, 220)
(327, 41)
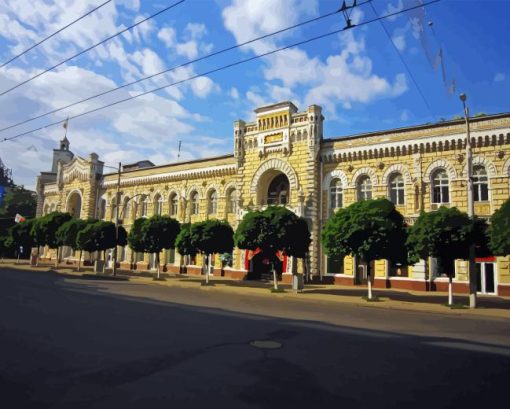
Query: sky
(357, 76)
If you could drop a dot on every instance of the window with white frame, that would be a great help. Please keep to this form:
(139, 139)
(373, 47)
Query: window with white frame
(364, 188)
(158, 205)
(194, 203)
(173, 204)
(480, 184)
(232, 201)
(397, 189)
(213, 202)
(336, 193)
(440, 187)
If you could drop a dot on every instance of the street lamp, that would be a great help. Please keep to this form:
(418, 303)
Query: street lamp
(117, 204)
(470, 204)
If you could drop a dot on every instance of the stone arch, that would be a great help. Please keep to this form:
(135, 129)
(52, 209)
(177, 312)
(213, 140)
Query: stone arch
(364, 171)
(506, 168)
(396, 168)
(278, 165)
(486, 163)
(74, 203)
(335, 174)
(440, 163)
(192, 189)
(229, 186)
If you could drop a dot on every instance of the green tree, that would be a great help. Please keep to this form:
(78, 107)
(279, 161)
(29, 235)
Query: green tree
(445, 234)
(47, 228)
(369, 230)
(20, 238)
(135, 238)
(274, 229)
(67, 234)
(159, 232)
(17, 199)
(5, 247)
(184, 244)
(86, 238)
(499, 230)
(105, 237)
(212, 236)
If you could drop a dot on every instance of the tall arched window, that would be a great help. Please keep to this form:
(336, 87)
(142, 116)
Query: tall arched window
(143, 206)
(397, 189)
(158, 205)
(126, 210)
(212, 206)
(114, 208)
(232, 201)
(336, 193)
(480, 184)
(440, 187)
(364, 188)
(194, 203)
(173, 204)
(278, 192)
(101, 209)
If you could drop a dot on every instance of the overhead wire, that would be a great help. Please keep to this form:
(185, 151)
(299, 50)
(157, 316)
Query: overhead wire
(55, 33)
(91, 47)
(413, 79)
(212, 71)
(213, 54)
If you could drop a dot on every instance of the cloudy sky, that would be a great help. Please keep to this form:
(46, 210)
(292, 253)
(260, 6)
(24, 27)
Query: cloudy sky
(357, 76)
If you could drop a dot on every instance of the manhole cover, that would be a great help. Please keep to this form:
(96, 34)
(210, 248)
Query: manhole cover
(266, 344)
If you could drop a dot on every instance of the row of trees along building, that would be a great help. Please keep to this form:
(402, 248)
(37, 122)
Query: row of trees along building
(369, 229)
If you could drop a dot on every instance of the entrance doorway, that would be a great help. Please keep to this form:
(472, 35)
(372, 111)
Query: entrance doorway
(486, 278)
(261, 265)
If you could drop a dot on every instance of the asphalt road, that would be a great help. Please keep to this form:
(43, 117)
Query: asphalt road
(74, 343)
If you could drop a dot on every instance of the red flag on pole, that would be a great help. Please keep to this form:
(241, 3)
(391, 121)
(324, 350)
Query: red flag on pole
(19, 218)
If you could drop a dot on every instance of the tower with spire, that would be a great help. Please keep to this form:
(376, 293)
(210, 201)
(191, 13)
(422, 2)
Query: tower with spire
(62, 154)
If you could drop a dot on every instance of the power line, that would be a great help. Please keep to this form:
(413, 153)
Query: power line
(239, 62)
(170, 69)
(403, 61)
(54, 34)
(91, 47)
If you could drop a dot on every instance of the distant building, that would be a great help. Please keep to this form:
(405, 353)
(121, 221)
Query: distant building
(283, 159)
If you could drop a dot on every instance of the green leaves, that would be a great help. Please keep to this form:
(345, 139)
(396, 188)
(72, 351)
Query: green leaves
(45, 228)
(275, 228)
(369, 229)
(159, 232)
(499, 230)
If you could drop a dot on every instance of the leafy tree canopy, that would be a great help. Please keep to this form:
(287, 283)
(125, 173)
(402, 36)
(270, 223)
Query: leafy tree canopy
(369, 229)
(86, 237)
(16, 199)
(499, 230)
(213, 236)
(135, 237)
(21, 235)
(68, 232)
(159, 232)
(184, 243)
(445, 233)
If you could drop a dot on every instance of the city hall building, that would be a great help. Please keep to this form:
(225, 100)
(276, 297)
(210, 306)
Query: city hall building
(283, 158)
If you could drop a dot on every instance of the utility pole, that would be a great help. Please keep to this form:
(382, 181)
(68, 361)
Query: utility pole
(117, 204)
(470, 205)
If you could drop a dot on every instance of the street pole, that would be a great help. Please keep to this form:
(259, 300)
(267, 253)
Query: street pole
(470, 205)
(117, 204)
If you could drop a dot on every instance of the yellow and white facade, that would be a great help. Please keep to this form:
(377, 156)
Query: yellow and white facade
(283, 158)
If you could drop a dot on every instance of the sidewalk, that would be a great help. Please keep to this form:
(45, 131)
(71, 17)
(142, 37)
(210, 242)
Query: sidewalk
(488, 306)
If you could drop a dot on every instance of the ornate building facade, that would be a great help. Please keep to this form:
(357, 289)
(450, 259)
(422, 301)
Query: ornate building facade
(283, 158)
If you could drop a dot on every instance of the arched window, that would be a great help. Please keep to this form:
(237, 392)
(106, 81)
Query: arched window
(143, 206)
(158, 205)
(114, 209)
(126, 209)
(397, 190)
(480, 184)
(336, 193)
(173, 204)
(440, 187)
(194, 203)
(212, 206)
(278, 192)
(101, 209)
(364, 188)
(232, 201)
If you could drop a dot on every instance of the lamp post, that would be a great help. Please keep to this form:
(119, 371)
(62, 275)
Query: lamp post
(470, 204)
(117, 204)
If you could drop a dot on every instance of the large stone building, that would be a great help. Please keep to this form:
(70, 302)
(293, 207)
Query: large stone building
(283, 158)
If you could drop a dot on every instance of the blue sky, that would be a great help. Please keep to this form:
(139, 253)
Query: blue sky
(357, 77)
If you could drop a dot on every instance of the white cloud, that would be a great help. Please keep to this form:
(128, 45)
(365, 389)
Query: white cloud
(203, 86)
(405, 115)
(234, 93)
(499, 77)
(168, 36)
(400, 42)
(189, 49)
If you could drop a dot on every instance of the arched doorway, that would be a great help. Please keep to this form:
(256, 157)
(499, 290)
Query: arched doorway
(74, 204)
(262, 263)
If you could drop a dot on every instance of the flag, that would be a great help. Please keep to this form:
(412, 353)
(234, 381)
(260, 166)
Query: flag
(64, 125)
(19, 218)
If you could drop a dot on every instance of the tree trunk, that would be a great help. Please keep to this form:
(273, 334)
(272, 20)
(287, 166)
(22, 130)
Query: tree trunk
(157, 263)
(450, 290)
(207, 269)
(275, 278)
(56, 259)
(104, 261)
(79, 259)
(472, 277)
(37, 259)
(369, 282)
